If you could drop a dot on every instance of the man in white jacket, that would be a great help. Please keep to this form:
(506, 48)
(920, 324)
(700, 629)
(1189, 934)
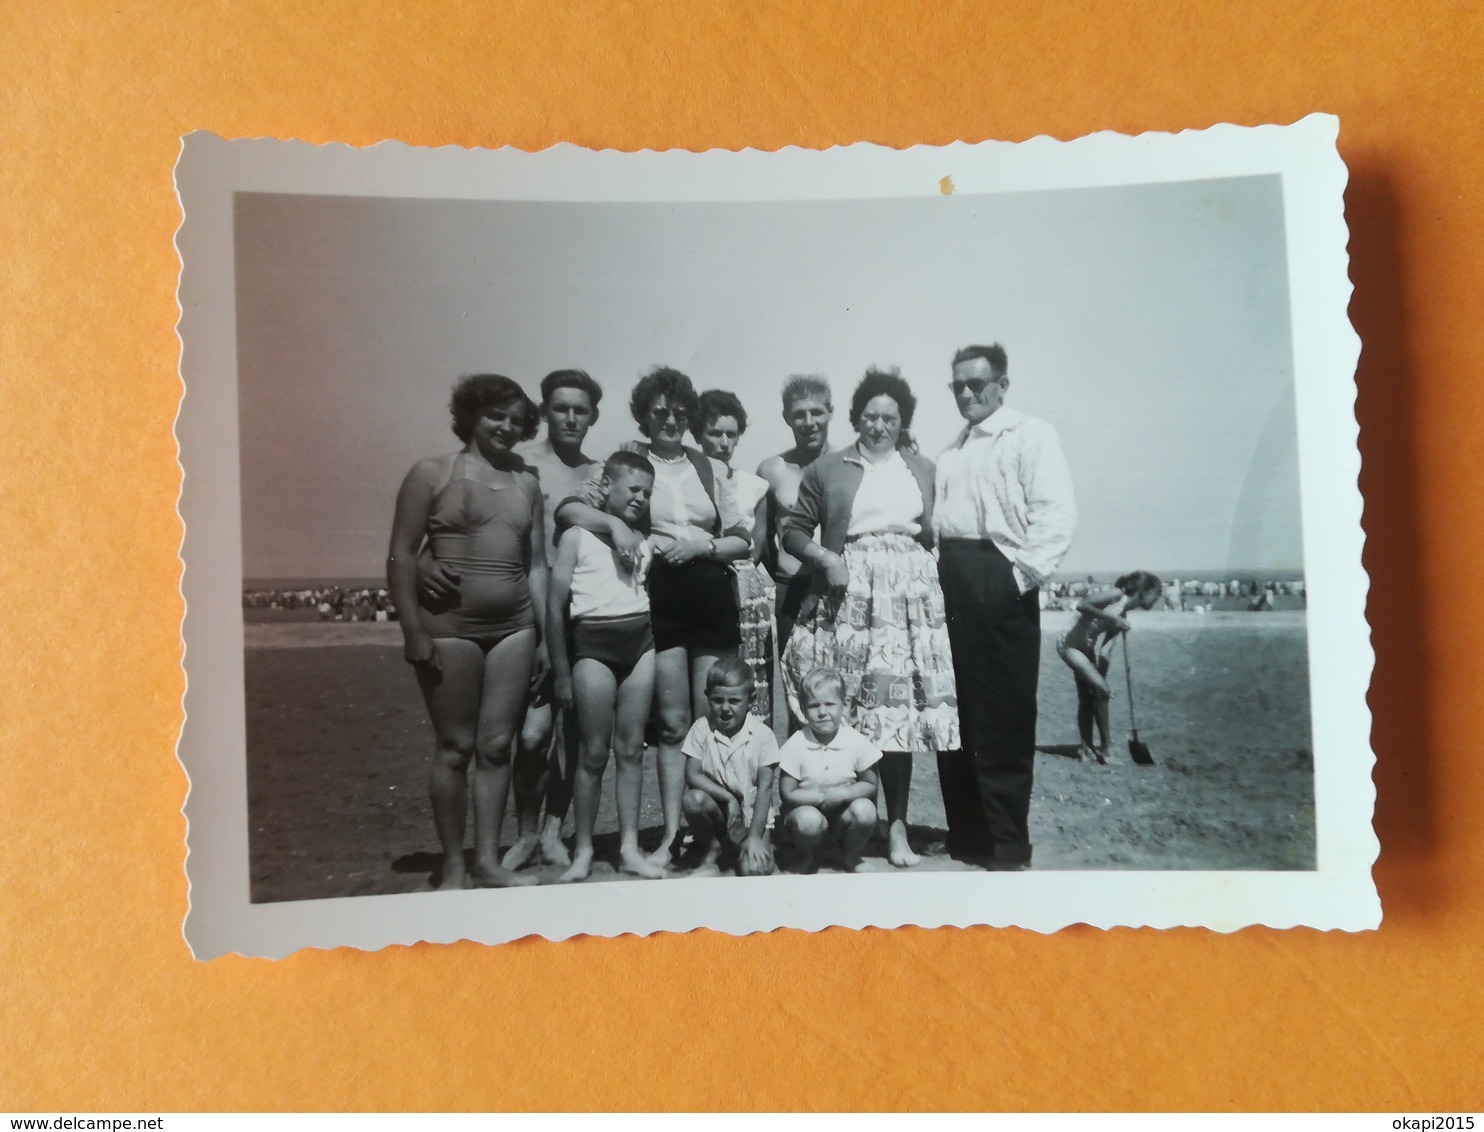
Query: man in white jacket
(1004, 514)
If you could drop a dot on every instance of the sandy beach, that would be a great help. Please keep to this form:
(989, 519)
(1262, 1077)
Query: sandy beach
(338, 745)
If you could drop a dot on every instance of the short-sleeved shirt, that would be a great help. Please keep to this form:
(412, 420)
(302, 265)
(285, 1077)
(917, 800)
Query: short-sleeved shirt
(558, 481)
(734, 762)
(819, 766)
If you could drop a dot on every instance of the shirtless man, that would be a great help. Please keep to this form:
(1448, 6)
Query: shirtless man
(807, 410)
(543, 768)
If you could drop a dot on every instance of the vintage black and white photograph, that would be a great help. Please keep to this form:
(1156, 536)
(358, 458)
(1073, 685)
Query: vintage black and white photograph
(592, 542)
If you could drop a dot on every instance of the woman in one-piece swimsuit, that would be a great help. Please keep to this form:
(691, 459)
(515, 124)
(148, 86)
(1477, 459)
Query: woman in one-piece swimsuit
(480, 530)
(480, 511)
(1083, 647)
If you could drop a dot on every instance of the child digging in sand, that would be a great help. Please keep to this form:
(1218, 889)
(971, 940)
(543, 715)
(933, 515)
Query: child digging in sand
(601, 610)
(828, 776)
(1084, 647)
(729, 775)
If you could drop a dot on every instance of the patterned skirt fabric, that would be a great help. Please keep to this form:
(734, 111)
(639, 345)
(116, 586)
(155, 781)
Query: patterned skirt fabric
(889, 639)
(755, 620)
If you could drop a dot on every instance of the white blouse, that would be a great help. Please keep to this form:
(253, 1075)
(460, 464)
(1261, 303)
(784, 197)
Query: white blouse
(680, 507)
(888, 500)
(749, 491)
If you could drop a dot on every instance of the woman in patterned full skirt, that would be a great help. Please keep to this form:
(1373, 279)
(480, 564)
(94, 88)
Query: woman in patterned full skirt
(876, 609)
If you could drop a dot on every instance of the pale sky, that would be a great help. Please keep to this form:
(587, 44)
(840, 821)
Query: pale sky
(1148, 323)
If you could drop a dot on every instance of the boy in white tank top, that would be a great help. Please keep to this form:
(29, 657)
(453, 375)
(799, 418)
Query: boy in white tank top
(609, 674)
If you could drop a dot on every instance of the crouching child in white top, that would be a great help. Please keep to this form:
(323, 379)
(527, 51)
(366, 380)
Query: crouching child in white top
(729, 775)
(602, 663)
(828, 780)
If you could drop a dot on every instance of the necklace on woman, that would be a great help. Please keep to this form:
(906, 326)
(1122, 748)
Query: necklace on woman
(653, 455)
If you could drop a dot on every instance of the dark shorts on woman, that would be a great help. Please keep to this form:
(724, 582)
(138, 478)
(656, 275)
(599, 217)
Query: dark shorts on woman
(618, 642)
(693, 606)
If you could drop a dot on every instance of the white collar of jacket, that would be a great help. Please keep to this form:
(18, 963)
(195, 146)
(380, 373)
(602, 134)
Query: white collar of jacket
(1001, 420)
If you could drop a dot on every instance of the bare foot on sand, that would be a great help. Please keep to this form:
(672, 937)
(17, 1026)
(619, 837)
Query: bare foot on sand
(635, 864)
(706, 869)
(500, 877)
(581, 867)
(1090, 755)
(662, 856)
(553, 852)
(453, 877)
(899, 852)
(519, 855)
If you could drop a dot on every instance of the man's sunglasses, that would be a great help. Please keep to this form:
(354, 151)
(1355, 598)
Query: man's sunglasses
(975, 385)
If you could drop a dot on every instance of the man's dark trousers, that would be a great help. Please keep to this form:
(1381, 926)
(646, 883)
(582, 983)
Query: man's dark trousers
(995, 631)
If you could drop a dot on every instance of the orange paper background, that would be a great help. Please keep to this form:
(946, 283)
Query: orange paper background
(101, 1005)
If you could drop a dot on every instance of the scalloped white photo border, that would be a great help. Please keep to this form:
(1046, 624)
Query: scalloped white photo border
(1338, 894)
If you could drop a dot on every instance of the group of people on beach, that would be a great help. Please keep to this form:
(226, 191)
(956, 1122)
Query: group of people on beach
(562, 611)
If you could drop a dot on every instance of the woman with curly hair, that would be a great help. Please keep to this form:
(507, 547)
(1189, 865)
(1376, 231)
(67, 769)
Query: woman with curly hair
(875, 609)
(696, 531)
(480, 510)
(718, 426)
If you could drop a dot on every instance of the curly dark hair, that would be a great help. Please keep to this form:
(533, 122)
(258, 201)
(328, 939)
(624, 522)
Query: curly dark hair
(476, 392)
(715, 404)
(886, 383)
(671, 384)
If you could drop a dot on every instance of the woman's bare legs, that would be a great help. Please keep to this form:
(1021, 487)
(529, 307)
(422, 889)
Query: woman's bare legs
(507, 671)
(1084, 718)
(1092, 684)
(452, 696)
(672, 706)
(701, 662)
(896, 784)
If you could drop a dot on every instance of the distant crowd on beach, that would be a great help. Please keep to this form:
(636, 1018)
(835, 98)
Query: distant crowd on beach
(1191, 596)
(332, 603)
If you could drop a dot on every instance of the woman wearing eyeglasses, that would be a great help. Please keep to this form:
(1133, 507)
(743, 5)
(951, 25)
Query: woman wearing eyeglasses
(697, 530)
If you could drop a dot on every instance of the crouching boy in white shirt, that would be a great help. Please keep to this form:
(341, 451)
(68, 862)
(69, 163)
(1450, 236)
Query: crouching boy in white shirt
(729, 775)
(828, 776)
